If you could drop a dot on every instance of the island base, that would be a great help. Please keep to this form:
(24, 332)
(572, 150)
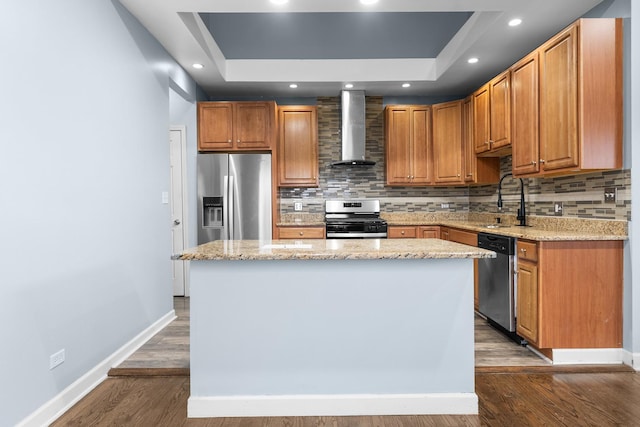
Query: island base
(332, 337)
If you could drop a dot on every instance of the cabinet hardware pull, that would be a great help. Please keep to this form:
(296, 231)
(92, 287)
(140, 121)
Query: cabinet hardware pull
(402, 232)
(302, 233)
(533, 162)
(541, 161)
(229, 140)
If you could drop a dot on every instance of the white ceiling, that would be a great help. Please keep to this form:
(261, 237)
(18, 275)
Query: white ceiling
(180, 28)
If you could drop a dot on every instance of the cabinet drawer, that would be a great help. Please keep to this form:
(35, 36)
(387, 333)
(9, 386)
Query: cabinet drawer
(301, 233)
(401, 233)
(527, 250)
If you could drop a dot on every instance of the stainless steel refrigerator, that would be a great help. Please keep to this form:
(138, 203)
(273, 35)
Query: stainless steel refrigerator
(234, 197)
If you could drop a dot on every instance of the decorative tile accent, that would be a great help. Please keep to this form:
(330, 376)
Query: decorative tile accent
(582, 195)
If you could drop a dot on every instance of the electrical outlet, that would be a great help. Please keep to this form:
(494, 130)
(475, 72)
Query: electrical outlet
(557, 208)
(444, 205)
(297, 206)
(56, 359)
(610, 194)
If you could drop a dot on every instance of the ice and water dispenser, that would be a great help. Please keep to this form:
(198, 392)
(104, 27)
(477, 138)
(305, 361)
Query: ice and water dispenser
(212, 215)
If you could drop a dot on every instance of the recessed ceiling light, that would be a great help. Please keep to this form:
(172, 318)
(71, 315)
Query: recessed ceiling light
(293, 85)
(515, 22)
(406, 84)
(348, 86)
(198, 66)
(472, 60)
(279, 1)
(368, 1)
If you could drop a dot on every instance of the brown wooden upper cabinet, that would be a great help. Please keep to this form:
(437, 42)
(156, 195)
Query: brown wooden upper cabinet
(408, 144)
(230, 126)
(447, 143)
(492, 117)
(297, 146)
(525, 113)
(576, 124)
(477, 170)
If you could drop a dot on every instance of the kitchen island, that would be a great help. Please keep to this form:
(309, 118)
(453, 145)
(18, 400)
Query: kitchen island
(332, 327)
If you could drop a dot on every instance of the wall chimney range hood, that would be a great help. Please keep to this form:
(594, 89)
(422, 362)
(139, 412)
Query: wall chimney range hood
(353, 130)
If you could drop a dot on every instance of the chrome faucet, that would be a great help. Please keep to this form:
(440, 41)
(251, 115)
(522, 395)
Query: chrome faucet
(522, 212)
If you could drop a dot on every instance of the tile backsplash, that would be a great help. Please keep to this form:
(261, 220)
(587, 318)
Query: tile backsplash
(581, 195)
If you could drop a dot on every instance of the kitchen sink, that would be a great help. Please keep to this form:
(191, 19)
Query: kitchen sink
(496, 226)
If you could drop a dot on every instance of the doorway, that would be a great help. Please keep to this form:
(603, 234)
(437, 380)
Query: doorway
(178, 208)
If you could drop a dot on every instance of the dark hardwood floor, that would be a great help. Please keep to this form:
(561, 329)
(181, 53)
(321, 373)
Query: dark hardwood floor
(514, 387)
(582, 399)
(168, 350)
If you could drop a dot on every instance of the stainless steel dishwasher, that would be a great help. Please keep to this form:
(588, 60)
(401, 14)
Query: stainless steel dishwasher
(496, 284)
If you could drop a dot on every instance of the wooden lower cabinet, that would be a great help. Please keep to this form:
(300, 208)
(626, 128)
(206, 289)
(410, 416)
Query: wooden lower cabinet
(429, 232)
(402, 232)
(300, 232)
(466, 238)
(413, 232)
(570, 294)
(527, 295)
(463, 236)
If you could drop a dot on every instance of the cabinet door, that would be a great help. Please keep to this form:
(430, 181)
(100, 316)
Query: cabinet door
(215, 126)
(481, 124)
(444, 233)
(428, 232)
(447, 142)
(253, 125)
(469, 152)
(298, 146)
(500, 111)
(559, 102)
(463, 236)
(527, 320)
(398, 144)
(525, 115)
(477, 170)
(420, 145)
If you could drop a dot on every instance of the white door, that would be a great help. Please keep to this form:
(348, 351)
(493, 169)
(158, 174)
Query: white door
(178, 210)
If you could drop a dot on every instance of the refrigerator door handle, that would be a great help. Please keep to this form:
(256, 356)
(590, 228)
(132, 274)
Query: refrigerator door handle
(225, 209)
(231, 208)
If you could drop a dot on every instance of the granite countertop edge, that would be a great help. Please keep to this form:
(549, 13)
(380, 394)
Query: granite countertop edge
(319, 249)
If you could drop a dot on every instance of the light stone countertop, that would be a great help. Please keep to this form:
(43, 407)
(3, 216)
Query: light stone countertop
(321, 249)
(541, 228)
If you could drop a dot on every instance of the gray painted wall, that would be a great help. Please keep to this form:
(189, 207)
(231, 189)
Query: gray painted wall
(85, 238)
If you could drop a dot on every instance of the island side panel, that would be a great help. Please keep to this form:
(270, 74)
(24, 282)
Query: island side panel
(332, 328)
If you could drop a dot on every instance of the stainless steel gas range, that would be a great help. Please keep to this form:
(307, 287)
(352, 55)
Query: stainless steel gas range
(354, 219)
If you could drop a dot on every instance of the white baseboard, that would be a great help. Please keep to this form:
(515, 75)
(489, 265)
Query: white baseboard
(332, 405)
(631, 359)
(68, 397)
(588, 356)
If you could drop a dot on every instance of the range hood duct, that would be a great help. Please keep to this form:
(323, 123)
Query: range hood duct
(353, 130)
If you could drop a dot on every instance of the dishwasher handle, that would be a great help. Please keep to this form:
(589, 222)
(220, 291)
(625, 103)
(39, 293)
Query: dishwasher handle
(497, 243)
